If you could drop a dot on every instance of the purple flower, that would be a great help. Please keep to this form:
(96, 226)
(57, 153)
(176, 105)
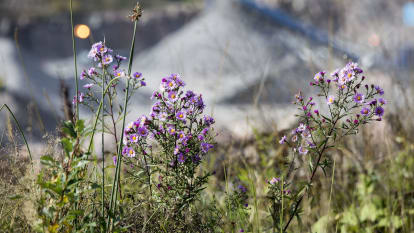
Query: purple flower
(330, 100)
(382, 101)
(100, 48)
(97, 50)
(379, 90)
(282, 140)
(125, 150)
(365, 111)
(301, 128)
(200, 103)
(200, 137)
(205, 131)
(137, 75)
(119, 57)
(130, 152)
(91, 71)
(172, 96)
(342, 86)
(205, 147)
(189, 94)
(306, 133)
(83, 75)
(242, 188)
(133, 137)
(171, 84)
(176, 150)
(107, 59)
(181, 135)
(162, 116)
(114, 159)
(241, 230)
(274, 180)
(80, 98)
(171, 130)
(373, 102)
(359, 98)
(119, 73)
(318, 76)
(379, 111)
(196, 158)
(143, 83)
(142, 131)
(208, 120)
(181, 158)
(88, 86)
(302, 150)
(180, 115)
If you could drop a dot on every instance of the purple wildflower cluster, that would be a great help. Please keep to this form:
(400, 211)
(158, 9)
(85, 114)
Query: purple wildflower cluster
(346, 105)
(174, 135)
(349, 104)
(107, 67)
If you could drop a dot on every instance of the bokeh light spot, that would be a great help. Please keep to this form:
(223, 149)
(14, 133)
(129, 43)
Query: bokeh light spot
(82, 31)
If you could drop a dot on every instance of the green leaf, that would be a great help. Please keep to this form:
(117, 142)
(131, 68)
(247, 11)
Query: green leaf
(80, 164)
(67, 145)
(80, 126)
(369, 212)
(69, 129)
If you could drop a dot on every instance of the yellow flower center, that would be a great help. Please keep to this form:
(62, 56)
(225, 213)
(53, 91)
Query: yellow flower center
(170, 84)
(172, 96)
(349, 75)
(131, 152)
(181, 116)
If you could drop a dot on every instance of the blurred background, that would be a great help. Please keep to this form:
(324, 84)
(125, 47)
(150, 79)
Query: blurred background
(247, 57)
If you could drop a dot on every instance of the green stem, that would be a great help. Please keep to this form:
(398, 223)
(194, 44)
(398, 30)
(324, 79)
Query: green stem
(103, 141)
(115, 186)
(281, 210)
(21, 132)
(74, 60)
(97, 114)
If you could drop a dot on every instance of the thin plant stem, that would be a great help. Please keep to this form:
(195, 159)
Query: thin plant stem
(320, 154)
(103, 142)
(332, 183)
(281, 210)
(74, 60)
(115, 185)
(21, 132)
(97, 114)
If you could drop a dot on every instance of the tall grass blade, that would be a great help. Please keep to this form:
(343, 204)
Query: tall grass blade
(74, 60)
(5, 106)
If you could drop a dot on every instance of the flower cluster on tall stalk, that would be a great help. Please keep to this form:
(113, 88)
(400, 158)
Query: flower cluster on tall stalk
(107, 73)
(347, 104)
(169, 146)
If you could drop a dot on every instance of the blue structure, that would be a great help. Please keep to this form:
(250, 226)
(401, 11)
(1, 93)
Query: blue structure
(284, 19)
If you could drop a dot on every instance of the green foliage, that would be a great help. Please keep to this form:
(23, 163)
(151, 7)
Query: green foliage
(63, 183)
(369, 213)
